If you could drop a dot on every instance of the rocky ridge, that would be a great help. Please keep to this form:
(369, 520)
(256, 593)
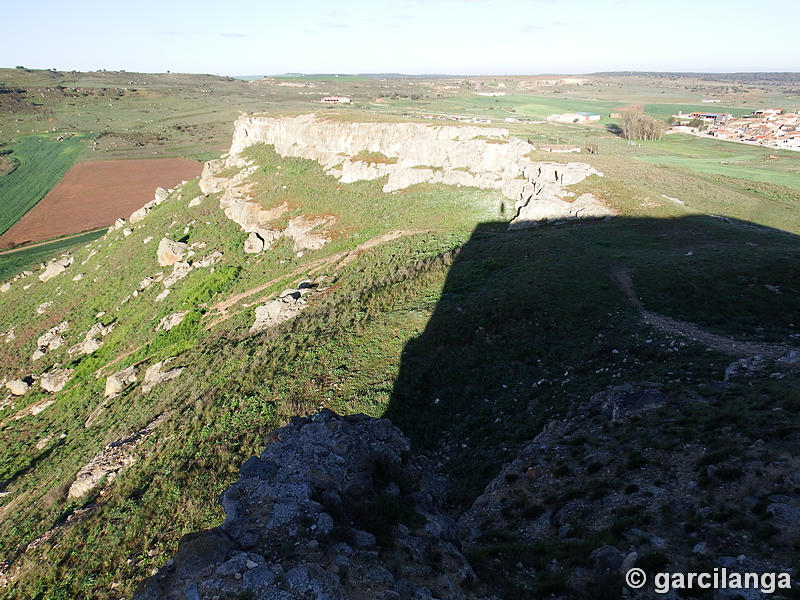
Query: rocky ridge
(335, 507)
(483, 157)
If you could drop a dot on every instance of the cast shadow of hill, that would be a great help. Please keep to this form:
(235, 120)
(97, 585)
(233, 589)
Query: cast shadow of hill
(531, 323)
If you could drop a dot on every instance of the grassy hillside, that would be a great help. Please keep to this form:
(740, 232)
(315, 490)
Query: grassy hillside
(469, 337)
(427, 310)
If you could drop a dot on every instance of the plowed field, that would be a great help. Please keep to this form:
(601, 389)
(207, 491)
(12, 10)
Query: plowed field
(94, 194)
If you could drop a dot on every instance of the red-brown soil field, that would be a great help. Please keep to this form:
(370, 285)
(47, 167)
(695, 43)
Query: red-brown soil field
(95, 194)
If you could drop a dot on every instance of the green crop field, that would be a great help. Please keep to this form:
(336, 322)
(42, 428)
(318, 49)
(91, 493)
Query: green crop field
(42, 162)
(16, 261)
(727, 158)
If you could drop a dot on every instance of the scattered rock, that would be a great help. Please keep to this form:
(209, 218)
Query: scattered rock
(791, 358)
(93, 339)
(160, 195)
(621, 402)
(179, 271)
(208, 261)
(170, 252)
(42, 308)
(55, 267)
(17, 387)
(118, 381)
(50, 340)
(55, 380)
(195, 201)
(745, 367)
(156, 374)
(115, 457)
(170, 321)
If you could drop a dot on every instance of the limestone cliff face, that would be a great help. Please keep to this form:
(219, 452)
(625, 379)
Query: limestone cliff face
(487, 158)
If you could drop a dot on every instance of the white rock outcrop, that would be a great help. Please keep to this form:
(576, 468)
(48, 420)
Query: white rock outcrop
(55, 267)
(118, 381)
(156, 374)
(170, 321)
(55, 380)
(17, 387)
(170, 252)
(483, 157)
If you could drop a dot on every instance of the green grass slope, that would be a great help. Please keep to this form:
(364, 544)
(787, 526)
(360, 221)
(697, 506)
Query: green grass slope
(468, 336)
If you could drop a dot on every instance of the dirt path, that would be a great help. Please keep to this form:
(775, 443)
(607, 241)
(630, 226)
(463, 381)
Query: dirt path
(345, 257)
(720, 343)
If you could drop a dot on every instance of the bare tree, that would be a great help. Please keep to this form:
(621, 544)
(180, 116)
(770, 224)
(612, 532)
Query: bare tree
(639, 126)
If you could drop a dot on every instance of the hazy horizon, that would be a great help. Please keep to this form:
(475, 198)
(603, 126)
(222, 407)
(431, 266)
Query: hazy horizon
(470, 38)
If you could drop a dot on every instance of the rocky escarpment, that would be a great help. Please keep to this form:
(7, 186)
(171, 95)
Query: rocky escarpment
(408, 154)
(335, 508)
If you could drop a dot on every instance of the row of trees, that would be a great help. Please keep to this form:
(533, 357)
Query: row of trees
(639, 126)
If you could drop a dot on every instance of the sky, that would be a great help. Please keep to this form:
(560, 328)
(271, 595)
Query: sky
(466, 37)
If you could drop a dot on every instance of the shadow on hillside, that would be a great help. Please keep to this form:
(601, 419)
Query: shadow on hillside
(531, 322)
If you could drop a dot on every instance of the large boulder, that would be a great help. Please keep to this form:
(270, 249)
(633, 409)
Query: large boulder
(17, 387)
(55, 380)
(335, 507)
(157, 374)
(116, 383)
(277, 311)
(55, 267)
(50, 340)
(254, 243)
(170, 252)
(170, 321)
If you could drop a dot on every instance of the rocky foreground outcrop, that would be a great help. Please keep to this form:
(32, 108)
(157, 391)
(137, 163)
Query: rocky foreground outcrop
(334, 508)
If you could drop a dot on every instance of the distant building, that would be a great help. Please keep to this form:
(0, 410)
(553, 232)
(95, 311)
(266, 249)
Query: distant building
(706, 117)
(577, 117)
(491, 93)
(335, 100)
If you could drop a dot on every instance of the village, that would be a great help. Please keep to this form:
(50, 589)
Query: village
(770, 127)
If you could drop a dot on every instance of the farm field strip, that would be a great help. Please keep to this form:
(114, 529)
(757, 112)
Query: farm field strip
(95, 194)
(43, 160)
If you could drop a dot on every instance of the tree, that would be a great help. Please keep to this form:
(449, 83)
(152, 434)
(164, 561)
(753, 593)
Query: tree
(639, 126)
